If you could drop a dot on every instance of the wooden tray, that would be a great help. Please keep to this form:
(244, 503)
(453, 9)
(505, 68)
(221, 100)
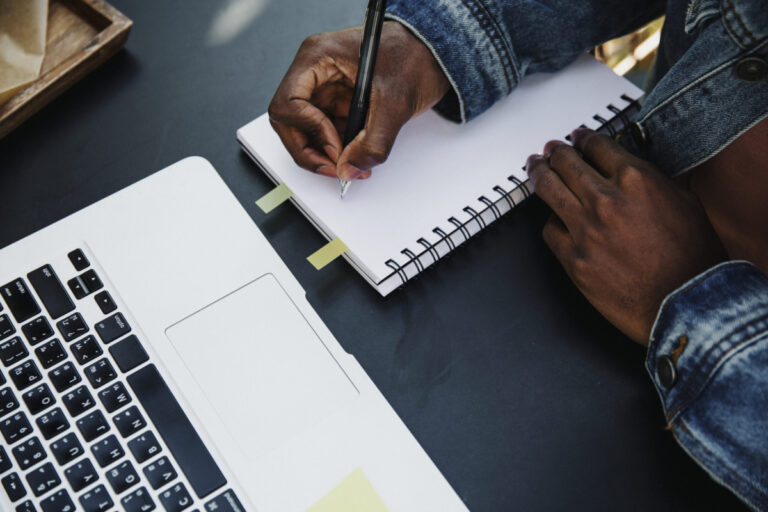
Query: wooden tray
(82, 34)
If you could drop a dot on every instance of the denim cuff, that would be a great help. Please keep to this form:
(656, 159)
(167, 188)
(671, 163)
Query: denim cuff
(469, 45)
(708, 359)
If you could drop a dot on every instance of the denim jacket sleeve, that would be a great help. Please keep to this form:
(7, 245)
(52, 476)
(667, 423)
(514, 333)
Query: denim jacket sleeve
(486, 46)
(708, 358)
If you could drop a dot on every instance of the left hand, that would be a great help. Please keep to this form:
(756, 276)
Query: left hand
(625, 234)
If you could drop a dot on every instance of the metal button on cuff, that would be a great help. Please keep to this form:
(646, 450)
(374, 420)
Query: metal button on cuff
(666, 371)
(752, 69)
(638, 134)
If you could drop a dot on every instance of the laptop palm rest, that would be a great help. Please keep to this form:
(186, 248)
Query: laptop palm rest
(261, 366)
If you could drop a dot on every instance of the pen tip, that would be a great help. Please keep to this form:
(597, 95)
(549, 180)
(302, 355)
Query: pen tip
(343, 187)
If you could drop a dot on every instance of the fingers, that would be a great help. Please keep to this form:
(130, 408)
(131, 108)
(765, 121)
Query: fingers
(605, 154)
(373, 144)
(549, 186)
(298, 145)
(578, 175)
(560, 242)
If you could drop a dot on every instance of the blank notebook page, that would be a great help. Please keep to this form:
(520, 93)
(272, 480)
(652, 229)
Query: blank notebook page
(438, 167)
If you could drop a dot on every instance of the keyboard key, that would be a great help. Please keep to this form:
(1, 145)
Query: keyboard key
(20, 301)
(50, 290)
(97, 500)
(85, 284)
(43, 479)
(64, 377)
(15, 428)
(67, 449)
(128, 353)
(179, 435)
(12, 351)
(105, 302)
(78, 401)
(114, 397)
(25, 374)
(224, 502)
(78, 259)
(129, 421)
(2, 379)
(176, 499)
(144, 447)
(160, 473)
(86, 349)
(29, 453)
(6, 327)
(51, 353)
(39, 399)
(5, 461)
(112, 328)
(52, 423)
(37, 330)
(92, 426)
(8, 402)
(26, 506)
(72, 327)
(138, 501)
(100, 373)
(107, 451)
(13, 487)
(58, 502)
(122, 477)
(81, 475)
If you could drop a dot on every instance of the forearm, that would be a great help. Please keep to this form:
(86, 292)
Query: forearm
(487, 46)
(708, 358)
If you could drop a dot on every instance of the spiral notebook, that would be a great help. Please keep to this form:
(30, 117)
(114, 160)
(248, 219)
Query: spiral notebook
(445, 182)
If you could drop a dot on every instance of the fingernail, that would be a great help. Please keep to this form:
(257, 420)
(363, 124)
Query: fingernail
(550, 146)
(530, 160)
(331, 152)
(348, 172)
(365, 175)
(578, 131)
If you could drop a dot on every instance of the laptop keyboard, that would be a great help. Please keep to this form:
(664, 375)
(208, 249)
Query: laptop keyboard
(87, 422)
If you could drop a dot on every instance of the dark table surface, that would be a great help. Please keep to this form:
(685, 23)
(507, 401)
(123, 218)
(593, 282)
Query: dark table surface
(524, 397)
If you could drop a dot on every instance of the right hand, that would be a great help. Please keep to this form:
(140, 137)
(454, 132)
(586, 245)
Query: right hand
(310, 107)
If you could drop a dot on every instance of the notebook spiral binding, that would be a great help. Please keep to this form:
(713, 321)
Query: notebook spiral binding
(615, 126)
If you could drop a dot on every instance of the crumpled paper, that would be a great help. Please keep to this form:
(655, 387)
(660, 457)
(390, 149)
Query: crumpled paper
(23, 26)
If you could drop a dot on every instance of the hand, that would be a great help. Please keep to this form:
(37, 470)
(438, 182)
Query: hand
(625, 234)
(310, 107)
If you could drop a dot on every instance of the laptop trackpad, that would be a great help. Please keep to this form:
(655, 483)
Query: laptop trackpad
(261, 365)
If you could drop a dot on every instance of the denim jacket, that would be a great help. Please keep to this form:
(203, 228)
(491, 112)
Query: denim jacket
(708, 351)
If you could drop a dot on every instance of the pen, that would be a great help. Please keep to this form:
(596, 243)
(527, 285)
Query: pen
(369, 46)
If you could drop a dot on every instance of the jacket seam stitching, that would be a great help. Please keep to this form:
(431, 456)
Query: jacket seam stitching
(490, 32)
(500, 36)
(683, 403)
(731, 471)
(740, 22)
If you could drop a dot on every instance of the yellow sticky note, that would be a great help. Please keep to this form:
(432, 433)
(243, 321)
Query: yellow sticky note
(354, 494)
(327, 253)
(274, 198)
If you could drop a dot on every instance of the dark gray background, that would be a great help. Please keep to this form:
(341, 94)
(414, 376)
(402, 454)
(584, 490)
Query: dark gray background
(521, 393)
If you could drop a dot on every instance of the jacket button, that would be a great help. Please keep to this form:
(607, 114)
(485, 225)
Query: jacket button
(666, 372)
(638, 134)
(751, 69)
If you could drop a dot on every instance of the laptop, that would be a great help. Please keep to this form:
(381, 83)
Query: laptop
(157, 354)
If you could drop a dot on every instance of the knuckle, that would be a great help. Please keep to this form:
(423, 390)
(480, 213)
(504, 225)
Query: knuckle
(629, 175)
(311, 42)
(579, 270)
